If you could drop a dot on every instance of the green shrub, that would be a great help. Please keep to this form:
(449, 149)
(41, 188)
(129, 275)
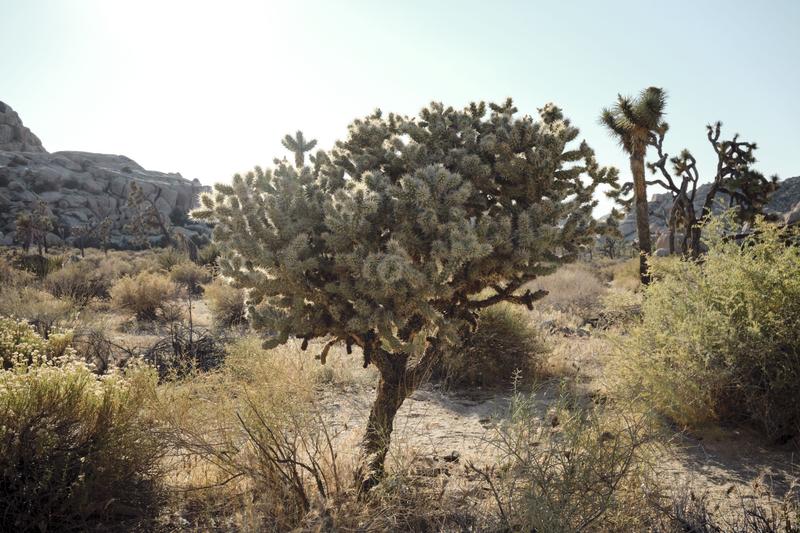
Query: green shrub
(504, 347)
(77, 450)
(719, 340)
(145, 294)
(190, 276)
(81, 282)
(227, 304)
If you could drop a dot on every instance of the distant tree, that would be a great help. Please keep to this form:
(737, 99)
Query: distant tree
(298, 146)
(747, 190)
(33, 227)
(391, 241)
(24, 230)
(633, 121)
(145, 216)
(42, 224)
(103, 233)
(99, 229)
(611, 242)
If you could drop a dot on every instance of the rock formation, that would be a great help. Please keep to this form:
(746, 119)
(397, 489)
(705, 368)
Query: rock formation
(82, 188)
(14, 137)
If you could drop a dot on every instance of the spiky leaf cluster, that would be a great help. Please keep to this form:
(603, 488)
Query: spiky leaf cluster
(633, 120)
(395, 232)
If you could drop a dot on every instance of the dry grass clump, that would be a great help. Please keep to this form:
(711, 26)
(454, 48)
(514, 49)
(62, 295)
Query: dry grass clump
(261, 454)
(258, 445)
(78, 449)
(718, 341)
(43, 310)
(504, 345)
(620, 309)
(226, 303)
(10, 276)
(684, 509)
(573, 288)
(145, 295)
(622, 274)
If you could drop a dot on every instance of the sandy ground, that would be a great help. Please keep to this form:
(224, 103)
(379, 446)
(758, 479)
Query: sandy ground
(434, 426)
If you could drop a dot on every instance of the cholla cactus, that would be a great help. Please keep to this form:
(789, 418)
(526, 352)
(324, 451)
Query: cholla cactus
(298, 146)
(389, 241)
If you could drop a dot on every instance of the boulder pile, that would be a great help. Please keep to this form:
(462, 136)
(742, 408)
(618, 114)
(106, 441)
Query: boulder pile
(83, 188)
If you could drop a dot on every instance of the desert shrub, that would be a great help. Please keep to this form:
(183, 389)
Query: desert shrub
(572, 289)
(168, 258)
(718, 341)
(115, 265)
(43, 310)
(40, 265)
(227, 304)
(144, 295)
(185, 349)
(207, 255)
(190, 276)
(94, 345)
(567, 469)
(79, 282)
(77, 449)
(504, 345)
(123, 263)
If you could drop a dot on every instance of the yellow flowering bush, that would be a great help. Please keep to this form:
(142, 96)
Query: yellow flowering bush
(78, 447)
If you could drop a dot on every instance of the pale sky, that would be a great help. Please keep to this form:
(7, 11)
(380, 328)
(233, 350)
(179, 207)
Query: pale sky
(209, 88)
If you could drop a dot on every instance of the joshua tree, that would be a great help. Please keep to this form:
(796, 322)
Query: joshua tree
(145, 215)
(99, 229)
(32, 228)
(390, 241)
(610, 240)
(747, 190)
(24, 230)
(633, 121)
(298, 146)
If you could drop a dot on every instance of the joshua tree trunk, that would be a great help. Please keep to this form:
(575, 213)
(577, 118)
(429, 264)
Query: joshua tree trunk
(642, 214)
(397, 382)
(389, 397)
(673, 222)
(693, 232)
